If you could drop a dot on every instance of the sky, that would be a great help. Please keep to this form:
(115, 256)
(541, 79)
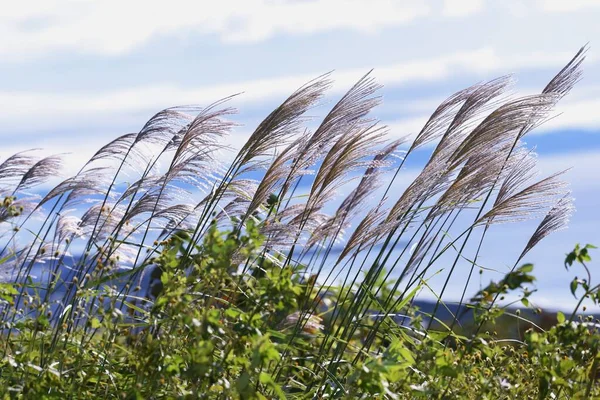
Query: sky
(77, 74)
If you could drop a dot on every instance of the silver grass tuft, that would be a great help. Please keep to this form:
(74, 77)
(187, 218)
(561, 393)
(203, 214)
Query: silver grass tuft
(527, 203)
(368, 230)
(350, 206)
(503, 125)
(90, 182)
(166, 124)
(556, 220)
(566, 79)
(284, 122)
(40, 172)
(15, 166)
(520, 169)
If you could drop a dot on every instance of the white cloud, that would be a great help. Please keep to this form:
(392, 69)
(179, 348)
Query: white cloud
(582, 166)
(567, 5)
(408, 127)
(57, 107)
(516, 8)
(114, 27)
(582, 114)
(76, 151)
(580, 110)
(462, 8)
(110, 27)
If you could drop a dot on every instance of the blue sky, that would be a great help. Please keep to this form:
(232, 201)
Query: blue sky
(77, 74)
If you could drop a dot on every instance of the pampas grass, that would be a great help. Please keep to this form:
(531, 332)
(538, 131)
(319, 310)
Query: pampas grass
(170, 176)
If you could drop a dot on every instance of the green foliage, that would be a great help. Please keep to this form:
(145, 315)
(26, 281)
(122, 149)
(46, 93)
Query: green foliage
(217, 332)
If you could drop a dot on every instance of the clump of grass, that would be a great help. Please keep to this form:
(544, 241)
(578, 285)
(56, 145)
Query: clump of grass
(158, 245)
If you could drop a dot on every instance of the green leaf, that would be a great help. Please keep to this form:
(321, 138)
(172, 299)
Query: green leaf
(409, 296)
(7, 291)
(574, 285)
(569, 259)
(267, 379)
(232, 312)
(560, 317)
(543, 388)
(534, 337)
(42, 322)
(526, 267)
(447, 370)
(584, 256)
(406, 354)
(441, 361)
(243, 382)
(95, 323)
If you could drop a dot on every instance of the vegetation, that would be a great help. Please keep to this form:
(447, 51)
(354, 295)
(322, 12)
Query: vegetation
(131, 286)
